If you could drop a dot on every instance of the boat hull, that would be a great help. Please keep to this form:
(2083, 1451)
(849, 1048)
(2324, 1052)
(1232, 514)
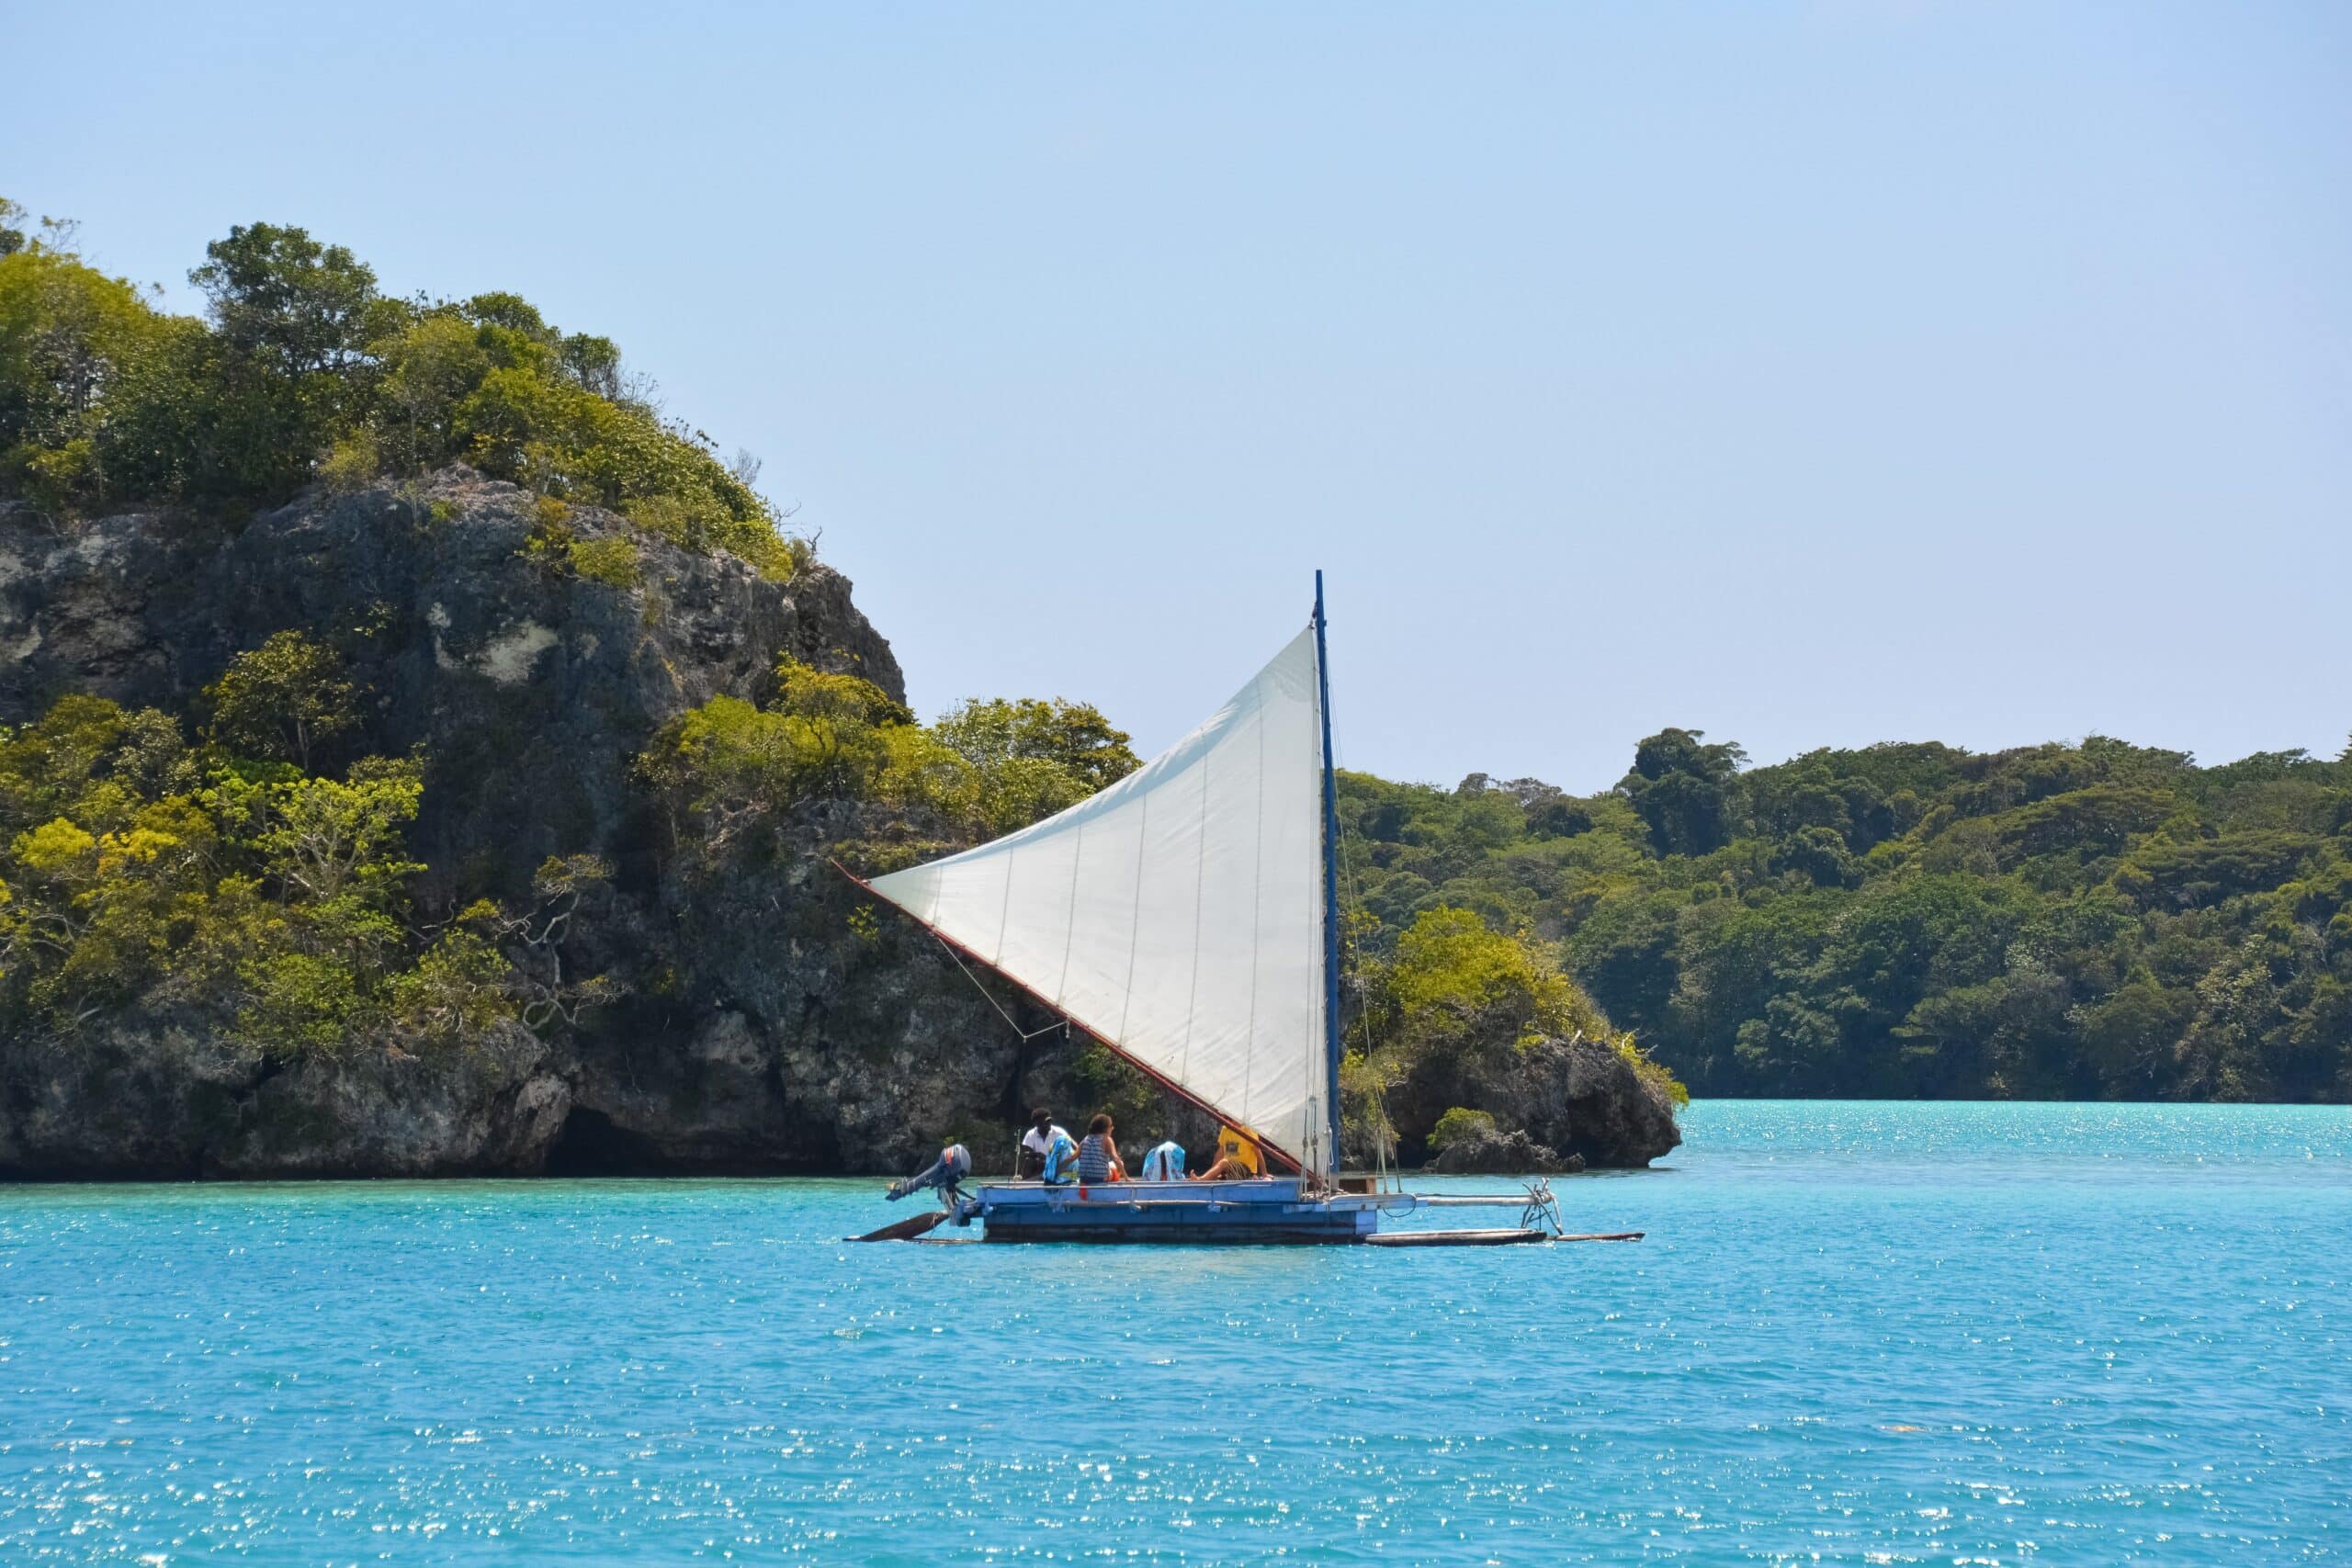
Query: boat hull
(1263, 1213)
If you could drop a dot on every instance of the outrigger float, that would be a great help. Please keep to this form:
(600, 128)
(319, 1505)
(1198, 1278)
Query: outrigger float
(1187, 919)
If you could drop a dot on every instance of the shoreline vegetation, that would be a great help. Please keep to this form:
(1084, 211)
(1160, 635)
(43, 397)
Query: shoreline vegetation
(421, 747)
(2094, 921)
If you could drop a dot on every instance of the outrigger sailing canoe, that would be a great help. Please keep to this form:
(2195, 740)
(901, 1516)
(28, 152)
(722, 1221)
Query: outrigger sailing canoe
(1186, 918)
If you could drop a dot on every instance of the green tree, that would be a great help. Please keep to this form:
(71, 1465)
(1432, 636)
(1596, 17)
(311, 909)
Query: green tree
(739, 767)
(987, 768)
(285, 304)
(1456, 985)
(1686, 791)
(1033, 758)
(1461, 1124)
(460, 988)
(989, 732)
(287, 370)
(92, 385)
(335, 839)
(136, 871)
(282, 700)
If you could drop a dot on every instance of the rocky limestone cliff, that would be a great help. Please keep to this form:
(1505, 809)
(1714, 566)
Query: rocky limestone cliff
(532, 688)
(763, 1031)
(1502, 1154)
(1558, 1105)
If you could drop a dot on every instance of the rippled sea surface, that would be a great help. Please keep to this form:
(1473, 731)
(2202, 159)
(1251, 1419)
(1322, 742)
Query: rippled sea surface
(1856, 1333)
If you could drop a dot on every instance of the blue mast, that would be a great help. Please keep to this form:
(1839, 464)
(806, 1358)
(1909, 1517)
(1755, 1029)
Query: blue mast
(1330, 887)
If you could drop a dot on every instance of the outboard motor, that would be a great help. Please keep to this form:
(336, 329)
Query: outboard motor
(953, 1164)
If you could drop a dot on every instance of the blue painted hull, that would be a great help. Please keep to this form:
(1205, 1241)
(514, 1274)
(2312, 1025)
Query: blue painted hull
(1266, 1212)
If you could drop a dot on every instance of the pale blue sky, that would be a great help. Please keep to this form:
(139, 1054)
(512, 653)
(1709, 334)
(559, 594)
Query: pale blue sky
(1812, 374)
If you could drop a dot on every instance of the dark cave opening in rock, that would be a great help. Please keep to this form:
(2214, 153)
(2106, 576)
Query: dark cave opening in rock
(592, 1145)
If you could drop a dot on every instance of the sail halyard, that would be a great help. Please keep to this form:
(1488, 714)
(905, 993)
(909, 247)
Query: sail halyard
(1181, 915)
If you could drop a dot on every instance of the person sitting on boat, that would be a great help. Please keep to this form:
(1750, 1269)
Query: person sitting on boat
(1165, 1162)
(1038, 1142)
(1059, 1166)
(1237, 1159)
(953, 1164)
(1098, 1157)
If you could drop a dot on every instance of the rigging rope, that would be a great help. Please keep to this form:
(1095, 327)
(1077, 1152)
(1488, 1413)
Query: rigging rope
(1026, 1034)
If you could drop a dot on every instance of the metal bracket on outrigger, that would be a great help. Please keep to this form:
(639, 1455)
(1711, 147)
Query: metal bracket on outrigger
(1542, 1211)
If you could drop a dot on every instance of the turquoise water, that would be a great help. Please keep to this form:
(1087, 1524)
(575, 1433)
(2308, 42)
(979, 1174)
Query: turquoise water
(1856, 1333)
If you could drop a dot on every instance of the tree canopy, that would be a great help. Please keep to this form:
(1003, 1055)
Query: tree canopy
(138, 867)
(2088, 920)
(988, 766)
(301, 370)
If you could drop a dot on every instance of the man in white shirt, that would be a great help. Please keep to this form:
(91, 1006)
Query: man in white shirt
(1037, 1142)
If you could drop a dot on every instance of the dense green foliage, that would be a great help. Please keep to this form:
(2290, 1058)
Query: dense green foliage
(140, 869)
(1461, 1124)
(986, 768)
(1030, 758)
(2100, 921)
(282, 699)
(303, 370)
(1445, 1002)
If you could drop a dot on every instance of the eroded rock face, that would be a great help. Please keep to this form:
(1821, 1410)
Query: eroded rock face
(150, 1097)
(1576, 1099)
(531, 689)
(1503, 1154)
(1583, 1099)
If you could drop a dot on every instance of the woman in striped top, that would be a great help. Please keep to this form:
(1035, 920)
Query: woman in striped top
(1098, 1156)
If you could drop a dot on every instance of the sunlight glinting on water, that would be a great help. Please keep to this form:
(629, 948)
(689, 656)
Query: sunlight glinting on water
(1856, 1333)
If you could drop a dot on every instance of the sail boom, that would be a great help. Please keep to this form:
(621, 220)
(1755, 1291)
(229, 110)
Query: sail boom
(1099, 1036)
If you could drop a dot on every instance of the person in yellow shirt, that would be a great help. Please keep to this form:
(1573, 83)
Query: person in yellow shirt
(1237, 1157)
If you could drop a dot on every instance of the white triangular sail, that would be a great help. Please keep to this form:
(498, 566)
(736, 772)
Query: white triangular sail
(1177, 915)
